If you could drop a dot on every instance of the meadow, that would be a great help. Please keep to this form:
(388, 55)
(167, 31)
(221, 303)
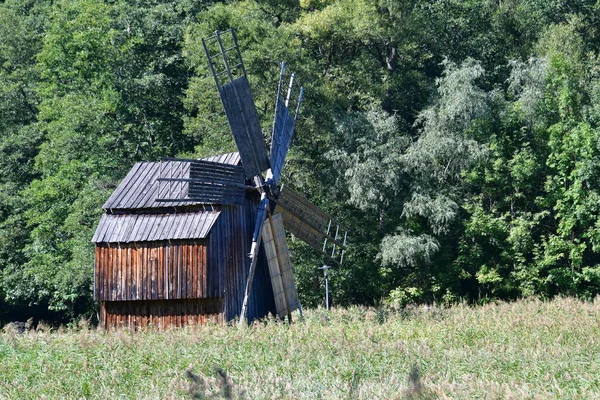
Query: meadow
(529, 349)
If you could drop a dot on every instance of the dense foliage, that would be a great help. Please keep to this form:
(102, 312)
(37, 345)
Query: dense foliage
(458, 141)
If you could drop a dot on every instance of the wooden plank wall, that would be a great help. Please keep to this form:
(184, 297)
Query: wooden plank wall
(229, 245)
(160, 313)
(153, 271)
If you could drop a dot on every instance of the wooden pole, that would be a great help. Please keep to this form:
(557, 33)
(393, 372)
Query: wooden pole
(256, 240)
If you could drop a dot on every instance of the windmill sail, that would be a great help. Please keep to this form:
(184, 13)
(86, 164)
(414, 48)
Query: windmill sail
(238, 102)
(284, 122)
(311, 224)
(280, 266)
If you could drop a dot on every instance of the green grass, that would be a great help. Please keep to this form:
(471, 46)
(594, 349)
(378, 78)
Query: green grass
(524, 350)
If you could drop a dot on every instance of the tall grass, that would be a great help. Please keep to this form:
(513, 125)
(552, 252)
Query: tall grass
(524, 350)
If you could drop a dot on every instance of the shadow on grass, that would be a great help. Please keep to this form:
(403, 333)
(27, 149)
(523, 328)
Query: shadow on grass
(224, 388)
(205, 388)
(415, 389)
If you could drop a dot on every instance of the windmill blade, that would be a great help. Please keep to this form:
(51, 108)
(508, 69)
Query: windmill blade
(228, 71)
(204, 181)
(311, 224)
(280, 266)
(284, 122)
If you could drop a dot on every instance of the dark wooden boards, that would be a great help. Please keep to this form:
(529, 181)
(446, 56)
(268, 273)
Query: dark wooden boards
(305, 220)
(240, 110)
(127, 228)
(206, 182)
(161, 314)
(216, 183)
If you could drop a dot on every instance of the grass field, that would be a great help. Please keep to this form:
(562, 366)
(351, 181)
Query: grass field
(524, 350)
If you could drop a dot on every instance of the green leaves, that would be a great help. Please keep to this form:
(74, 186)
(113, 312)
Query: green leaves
(456, 140)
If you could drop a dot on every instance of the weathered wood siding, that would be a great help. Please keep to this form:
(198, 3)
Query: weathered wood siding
(158, 270)
(160, 313)
(228, 249)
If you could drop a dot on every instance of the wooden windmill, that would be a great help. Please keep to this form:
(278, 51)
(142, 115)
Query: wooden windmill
(278, 209)
(242, 210)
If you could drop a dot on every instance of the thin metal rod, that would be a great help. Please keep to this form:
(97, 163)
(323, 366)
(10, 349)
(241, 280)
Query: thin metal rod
(337, 229)
(289, 92)
(343, 249)
(326, 288)
(325, 242)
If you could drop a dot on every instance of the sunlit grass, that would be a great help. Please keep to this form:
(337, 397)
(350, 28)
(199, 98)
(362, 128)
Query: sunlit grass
(527, 349)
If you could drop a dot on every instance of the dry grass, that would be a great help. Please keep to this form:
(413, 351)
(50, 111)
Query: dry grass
(523, 350)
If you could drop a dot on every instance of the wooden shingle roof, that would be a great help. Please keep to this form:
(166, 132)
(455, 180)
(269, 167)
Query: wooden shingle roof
(139, 188)
(125, 228)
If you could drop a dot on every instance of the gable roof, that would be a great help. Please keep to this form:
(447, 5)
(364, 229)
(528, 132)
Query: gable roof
(139, 188)
(125, 228)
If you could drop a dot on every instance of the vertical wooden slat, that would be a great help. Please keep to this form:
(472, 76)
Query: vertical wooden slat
(103, 272)
(193, 270)
(176, 271)
(151, 271)
(119, 272)
(108, 274)
(136, 259)
(116, 283)
(115, 272)
(172, 271)
(188, 270)
(144, 271)
(203, 260)
(149, 268)
(130, 275)
(160, 289)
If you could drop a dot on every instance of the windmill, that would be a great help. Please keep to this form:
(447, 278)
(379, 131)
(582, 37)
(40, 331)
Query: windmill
(280, 208)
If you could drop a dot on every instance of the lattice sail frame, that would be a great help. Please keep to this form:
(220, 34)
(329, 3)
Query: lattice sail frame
(233, 86)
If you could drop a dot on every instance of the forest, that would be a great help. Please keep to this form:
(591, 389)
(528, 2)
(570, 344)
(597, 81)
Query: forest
(458, 141)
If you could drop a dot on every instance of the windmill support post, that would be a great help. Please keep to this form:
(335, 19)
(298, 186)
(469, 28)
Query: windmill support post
(256, 239)
(325, 268)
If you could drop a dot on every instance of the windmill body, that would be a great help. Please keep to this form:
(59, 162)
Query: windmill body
(217, 227)
(176, 263)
